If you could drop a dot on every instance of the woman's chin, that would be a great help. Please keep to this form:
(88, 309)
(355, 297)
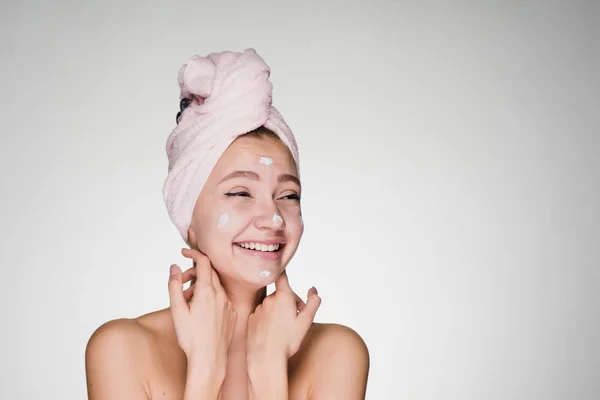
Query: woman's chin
(261, 276)
(257, 267)
(251, 269)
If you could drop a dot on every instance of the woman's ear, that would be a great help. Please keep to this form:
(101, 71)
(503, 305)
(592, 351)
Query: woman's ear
(193, 244)
(192, 238)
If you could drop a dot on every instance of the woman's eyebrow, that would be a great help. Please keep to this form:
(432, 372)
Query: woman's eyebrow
(241, 174)
(289, 177)
(255, 177)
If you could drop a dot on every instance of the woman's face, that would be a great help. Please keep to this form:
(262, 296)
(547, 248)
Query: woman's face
(247, 218)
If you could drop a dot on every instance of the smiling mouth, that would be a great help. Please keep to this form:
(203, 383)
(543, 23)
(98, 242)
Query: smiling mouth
(259, 247)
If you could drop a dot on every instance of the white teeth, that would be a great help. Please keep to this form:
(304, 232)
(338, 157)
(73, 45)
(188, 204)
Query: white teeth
(259, 246)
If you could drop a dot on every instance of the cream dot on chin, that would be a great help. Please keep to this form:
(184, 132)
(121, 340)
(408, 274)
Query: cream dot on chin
(223, 219)
(264, 274)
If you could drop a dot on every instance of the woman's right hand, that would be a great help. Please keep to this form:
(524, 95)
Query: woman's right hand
(204, 326)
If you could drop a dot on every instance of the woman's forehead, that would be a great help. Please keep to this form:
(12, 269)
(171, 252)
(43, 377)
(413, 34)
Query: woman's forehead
(253, 152)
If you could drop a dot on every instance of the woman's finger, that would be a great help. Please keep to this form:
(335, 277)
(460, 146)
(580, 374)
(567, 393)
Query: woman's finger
(188, 293)
(188, 274)
(306, 317)
(216, 282)
(203, 266)
(177, 301)
(282, 285)
(299, 302)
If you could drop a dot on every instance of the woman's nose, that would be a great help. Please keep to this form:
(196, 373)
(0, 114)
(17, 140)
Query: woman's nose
(269, 217)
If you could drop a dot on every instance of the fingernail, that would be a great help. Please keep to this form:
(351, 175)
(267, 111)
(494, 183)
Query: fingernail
(315, 290)
(173, 270)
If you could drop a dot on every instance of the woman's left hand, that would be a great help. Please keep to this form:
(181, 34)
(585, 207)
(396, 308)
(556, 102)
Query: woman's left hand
(278, 326)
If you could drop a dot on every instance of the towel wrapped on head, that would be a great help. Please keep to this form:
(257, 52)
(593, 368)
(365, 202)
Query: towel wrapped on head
(228, 94)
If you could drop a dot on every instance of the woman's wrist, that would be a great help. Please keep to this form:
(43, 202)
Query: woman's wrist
(203, 381)
(260, 358)
(267, 377)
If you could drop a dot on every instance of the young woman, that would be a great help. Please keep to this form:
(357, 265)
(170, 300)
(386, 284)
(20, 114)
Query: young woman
(233, 191)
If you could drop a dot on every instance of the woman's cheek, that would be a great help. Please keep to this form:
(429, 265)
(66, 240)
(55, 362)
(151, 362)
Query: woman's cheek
(223, 220)
(293, 220)
(227, 217)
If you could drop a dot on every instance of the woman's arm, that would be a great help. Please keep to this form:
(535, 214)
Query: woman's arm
(276, 330)
(338, 361)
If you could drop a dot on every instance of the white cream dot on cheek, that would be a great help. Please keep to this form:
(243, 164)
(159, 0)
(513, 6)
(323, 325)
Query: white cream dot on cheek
(223, 220)
(264, 274)
(301, 221)
(265, 161)
(277, 219)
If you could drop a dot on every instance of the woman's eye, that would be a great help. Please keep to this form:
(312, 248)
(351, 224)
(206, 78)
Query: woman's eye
(238, 194)
(292, 197)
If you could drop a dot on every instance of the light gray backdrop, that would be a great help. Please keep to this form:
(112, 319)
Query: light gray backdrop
(450, 163)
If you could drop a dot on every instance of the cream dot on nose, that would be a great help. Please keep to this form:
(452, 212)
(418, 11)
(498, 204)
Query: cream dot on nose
(277, 219)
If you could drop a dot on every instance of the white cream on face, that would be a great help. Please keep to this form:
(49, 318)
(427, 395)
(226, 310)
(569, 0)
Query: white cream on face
(265, 161)
(264, 274)
(301, 221)
(277, 219)
(223, 220)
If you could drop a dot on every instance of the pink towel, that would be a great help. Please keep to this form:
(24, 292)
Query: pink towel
(230, 95)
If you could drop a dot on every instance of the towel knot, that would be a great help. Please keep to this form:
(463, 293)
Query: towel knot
(226, 80)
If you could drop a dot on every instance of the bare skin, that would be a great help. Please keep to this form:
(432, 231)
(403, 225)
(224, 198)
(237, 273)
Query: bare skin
(142, 358)
(160, 365)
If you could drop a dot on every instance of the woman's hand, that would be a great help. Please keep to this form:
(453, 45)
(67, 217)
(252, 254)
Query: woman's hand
(187, 276)
(204, 326)
(190, 275)
(278, 326)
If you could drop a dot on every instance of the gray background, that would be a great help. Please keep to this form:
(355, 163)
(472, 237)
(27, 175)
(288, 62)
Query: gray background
(450, 165)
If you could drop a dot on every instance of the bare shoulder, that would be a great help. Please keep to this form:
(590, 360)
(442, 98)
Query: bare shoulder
(116, 338)
(325, 340)
(132, 336)
(333, 362)
(116, 332)
(113, 357)
(119, 355)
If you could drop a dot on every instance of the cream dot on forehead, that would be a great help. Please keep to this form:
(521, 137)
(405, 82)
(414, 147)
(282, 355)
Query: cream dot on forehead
(223, 219)
(266, 160)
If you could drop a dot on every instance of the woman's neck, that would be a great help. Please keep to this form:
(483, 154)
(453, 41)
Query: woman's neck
(243, 297)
